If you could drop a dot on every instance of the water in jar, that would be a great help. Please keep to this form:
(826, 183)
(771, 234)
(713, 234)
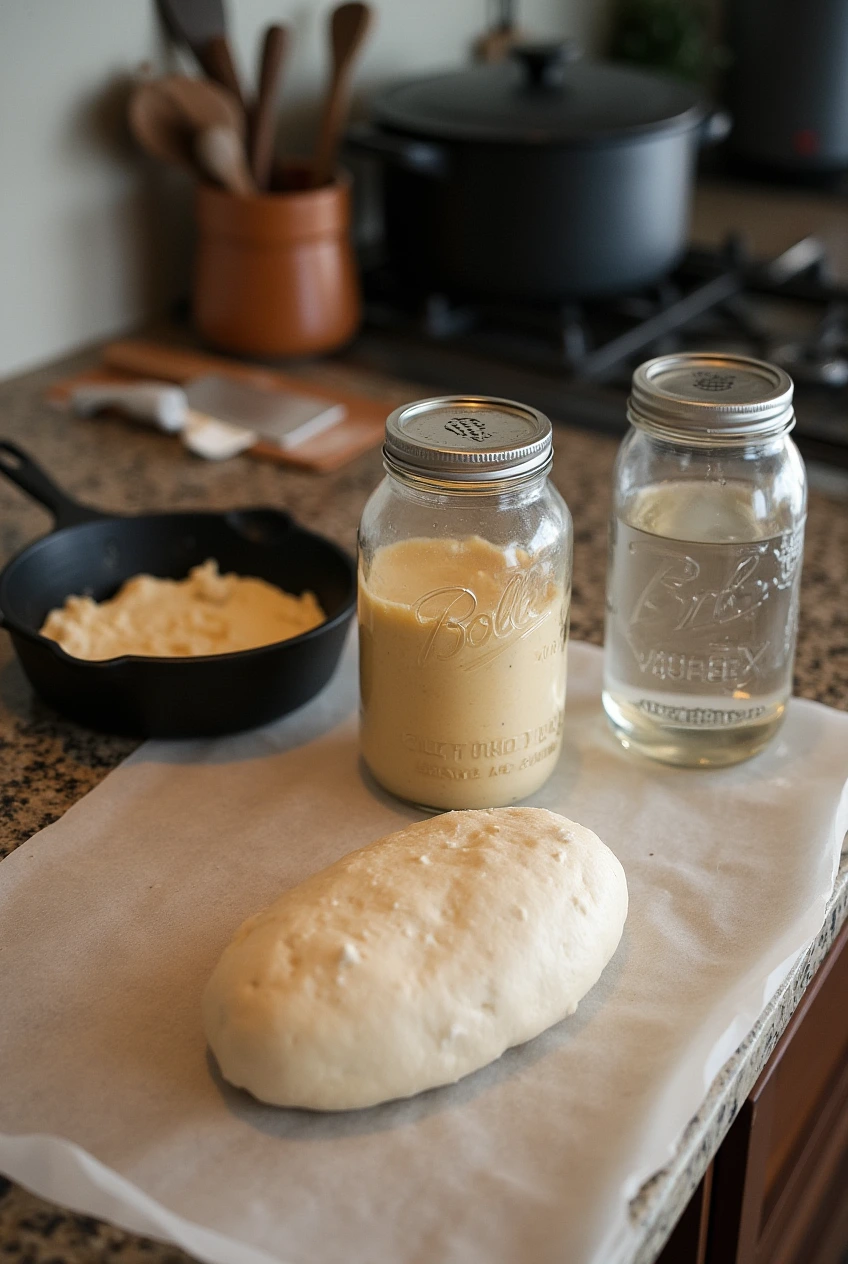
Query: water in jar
(702, 603)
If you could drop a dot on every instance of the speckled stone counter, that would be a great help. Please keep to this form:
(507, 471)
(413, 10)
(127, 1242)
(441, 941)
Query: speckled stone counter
(48, 763)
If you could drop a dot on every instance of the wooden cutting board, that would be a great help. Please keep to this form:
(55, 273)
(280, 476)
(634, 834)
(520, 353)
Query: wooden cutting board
(135, 359)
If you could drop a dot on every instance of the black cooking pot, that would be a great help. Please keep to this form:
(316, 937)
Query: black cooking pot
(541, 178)
(94, 553)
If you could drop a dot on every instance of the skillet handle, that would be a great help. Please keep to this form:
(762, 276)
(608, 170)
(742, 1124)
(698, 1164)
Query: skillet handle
(20, 469)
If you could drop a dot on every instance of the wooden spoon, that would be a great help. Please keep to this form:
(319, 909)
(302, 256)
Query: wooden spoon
(159, 125)
(219, 151)
(262, 122)
(204, 103)
(166, 114)
(348, 27)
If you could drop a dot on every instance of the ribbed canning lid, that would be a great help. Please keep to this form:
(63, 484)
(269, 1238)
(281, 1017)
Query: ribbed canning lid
(467, 439)
(711, 397)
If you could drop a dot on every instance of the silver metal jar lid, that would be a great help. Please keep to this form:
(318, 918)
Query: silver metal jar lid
(701, 397)
(467, 439)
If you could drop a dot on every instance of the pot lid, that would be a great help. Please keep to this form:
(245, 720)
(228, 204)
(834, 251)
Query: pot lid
(542, 95)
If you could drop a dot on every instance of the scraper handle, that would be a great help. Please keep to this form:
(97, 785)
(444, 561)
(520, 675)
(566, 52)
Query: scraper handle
(161, 403)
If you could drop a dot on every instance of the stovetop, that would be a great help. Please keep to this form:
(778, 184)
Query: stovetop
(574, 361)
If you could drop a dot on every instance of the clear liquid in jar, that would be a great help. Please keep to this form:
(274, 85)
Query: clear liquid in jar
(702, 605)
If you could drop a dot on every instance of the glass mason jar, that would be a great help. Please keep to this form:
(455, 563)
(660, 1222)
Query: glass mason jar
(706, 543)
(464, 590)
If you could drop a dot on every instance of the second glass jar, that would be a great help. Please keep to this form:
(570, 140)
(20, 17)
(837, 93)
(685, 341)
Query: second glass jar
(465, 557)
(706, 545)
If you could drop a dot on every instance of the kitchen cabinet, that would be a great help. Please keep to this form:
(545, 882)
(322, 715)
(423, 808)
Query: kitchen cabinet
(777, 1189)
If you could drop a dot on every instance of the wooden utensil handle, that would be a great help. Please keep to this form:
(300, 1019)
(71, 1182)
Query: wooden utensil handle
(349, 25)
(328, 135)
(262, 128)
(216, 58)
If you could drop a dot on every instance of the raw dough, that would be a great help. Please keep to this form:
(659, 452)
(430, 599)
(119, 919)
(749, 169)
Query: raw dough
(207, 613)
(415, 960)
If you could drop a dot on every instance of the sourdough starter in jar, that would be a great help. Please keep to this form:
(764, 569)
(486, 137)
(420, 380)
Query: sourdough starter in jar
(463, 629)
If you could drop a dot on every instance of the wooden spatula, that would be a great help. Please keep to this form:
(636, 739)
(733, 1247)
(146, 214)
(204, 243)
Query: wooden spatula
(262, 119)
(348, 27)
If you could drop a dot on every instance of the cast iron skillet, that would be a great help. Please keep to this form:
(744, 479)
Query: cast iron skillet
(93, 553)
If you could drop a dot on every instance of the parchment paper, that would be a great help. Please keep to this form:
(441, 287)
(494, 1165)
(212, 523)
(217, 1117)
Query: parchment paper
(112, 919)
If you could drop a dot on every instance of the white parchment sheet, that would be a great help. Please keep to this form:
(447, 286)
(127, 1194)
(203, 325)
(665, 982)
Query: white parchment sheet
(112, 919)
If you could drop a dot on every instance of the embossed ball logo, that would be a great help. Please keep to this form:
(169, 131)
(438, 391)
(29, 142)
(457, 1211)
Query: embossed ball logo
(454, 620)
(712, 381)
(469, 428)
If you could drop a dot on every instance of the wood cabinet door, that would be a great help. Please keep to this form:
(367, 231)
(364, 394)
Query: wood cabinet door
(780, 1182)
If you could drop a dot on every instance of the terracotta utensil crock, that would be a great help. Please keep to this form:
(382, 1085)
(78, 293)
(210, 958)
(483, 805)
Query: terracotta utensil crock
(275, 273)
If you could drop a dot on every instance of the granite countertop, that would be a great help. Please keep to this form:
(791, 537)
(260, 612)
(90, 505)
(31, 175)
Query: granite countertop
(49, 763)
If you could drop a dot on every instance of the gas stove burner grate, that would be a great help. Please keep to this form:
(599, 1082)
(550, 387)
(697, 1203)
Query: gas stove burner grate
(574, 360)
(709, 296)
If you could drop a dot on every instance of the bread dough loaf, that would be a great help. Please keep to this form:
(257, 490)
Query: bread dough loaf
(415, 960)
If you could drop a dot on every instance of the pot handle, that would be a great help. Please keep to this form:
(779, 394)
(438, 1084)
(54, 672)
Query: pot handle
(716, 127)
(20, 469)
(424, 157)
(546, 65)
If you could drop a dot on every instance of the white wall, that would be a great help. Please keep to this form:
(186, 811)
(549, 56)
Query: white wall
(93, 238)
